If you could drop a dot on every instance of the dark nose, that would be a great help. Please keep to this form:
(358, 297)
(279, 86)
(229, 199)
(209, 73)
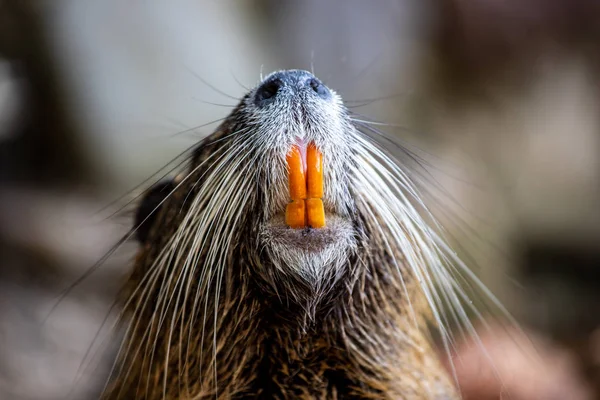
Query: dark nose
(284, 83)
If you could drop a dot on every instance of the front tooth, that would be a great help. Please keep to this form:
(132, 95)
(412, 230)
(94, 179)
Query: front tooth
(314, 172)
(295, 214)
(305, 174)
(315, 213)
(297, 181)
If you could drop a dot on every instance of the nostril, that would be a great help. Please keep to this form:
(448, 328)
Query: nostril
(268, 90)
(319, 88)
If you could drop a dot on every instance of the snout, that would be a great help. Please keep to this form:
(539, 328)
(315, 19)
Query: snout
(304, 128)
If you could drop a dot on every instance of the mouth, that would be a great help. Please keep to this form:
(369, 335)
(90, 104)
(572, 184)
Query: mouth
(305, 225)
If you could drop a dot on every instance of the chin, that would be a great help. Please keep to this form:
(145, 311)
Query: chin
(317, 256)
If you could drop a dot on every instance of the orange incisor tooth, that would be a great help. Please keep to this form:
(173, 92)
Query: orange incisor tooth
(295, 214)
(303, 211)
(297, 182)
(314, 172)
(315, 213)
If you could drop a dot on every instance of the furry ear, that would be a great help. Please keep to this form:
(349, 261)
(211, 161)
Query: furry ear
(149, 208)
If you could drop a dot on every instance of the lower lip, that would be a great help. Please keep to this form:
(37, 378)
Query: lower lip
(338, 229)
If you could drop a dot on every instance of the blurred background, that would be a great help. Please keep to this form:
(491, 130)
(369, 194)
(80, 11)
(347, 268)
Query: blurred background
(500, 99)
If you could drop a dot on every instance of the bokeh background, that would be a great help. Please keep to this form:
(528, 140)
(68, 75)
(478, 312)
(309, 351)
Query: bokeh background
(499, 99)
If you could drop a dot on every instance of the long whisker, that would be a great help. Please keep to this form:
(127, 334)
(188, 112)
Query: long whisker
(195, 74)
(441, 262)
(172, 289)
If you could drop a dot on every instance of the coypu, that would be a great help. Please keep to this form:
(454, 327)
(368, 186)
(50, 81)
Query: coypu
(227, 301)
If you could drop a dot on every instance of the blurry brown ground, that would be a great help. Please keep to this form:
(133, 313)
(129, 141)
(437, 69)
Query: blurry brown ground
(90, 96)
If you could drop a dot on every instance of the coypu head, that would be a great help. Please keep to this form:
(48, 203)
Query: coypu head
(231, 202)
(219, 267)
(242, 191)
